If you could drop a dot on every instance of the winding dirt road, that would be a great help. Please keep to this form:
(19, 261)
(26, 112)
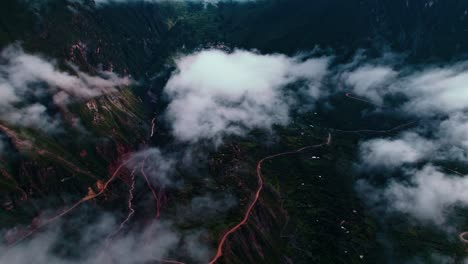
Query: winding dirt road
(219, 252)
(70, 209)
(131, 210)
(226, 235)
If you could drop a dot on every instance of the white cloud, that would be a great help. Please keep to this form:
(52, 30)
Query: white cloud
(436, 90)
(438, 95)
(34, 115)
(370, 81)
(24, 71)
(216, 93)
(430, 90)
(26, 80)
(158, 167)
(153, 243)
(428, 195)
(447, 141)
(392, 153)
(452, 137)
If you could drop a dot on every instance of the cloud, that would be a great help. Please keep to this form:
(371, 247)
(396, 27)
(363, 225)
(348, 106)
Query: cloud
(24, 71)
(153, 243)
(451, 134)
(370, 81)
(393, 153)
(157, 166)
(141, 241)
(431, 89)
(440, 140)
(215, 93)
(427, 194)
(435, 94)
(34, 115)
(28, 81)
(436, 90)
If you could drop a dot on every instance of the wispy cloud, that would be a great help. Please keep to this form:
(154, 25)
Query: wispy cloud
(29, 84)
(392, 153)
(427, 194)
(436, 95)
(152, 243)
(214, 94)
(430, 89)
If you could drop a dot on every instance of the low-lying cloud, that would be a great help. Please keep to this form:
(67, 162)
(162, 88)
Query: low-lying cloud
(29, 84)
(158, 167)
(428, 194)
(153, 243)
(430, 90)
(214, 93)
(437, 90)
(436, 95)
(393, 153)
(369, 81)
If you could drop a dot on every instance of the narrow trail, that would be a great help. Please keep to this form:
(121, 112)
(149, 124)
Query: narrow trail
(131, 210)
(153, 124)
(15, 138)
(70, 209)
(349, 95)
(399, 127)
(148, 183)
(453, 171)
(224, 238)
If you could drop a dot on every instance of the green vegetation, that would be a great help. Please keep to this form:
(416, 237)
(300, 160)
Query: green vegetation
(309, 211)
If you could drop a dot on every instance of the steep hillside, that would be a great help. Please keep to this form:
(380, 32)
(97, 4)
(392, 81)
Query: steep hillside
(113, 183)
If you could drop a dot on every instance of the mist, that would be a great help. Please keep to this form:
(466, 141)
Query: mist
(434, 96)
(214, 94)
(28, 81)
